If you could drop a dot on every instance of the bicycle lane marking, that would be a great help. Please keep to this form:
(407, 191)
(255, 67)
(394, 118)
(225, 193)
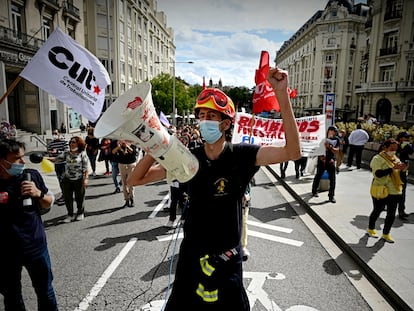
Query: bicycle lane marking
(84, 304)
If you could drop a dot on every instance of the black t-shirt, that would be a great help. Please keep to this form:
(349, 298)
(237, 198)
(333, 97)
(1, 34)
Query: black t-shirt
(213, 219)
(403, 153)
(335, 142)
(21, 228)
(92, 145)
(126, 157)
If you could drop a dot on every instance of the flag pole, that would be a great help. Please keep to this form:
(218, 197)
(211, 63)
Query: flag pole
(10, 89)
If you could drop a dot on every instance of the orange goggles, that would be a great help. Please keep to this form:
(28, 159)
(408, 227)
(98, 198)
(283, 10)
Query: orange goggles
(221, 101)
(219, 98)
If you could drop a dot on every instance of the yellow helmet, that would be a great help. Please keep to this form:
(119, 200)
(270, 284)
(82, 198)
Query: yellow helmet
(215, 99)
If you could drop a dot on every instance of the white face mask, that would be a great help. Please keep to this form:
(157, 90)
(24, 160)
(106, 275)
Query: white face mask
(390, 153)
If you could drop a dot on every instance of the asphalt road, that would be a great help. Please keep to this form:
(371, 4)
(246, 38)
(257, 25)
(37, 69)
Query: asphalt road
(120, 258)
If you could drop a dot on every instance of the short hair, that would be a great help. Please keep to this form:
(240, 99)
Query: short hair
(8, 146)
(80, 142)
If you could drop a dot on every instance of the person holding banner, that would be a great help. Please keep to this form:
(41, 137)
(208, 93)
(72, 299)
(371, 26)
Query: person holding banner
(327, 163)
(209, 268)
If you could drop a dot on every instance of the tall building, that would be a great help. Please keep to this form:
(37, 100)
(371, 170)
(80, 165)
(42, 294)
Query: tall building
(141, 47)
(141, 44)
(323, 58)
(24, 26)
(385, 85)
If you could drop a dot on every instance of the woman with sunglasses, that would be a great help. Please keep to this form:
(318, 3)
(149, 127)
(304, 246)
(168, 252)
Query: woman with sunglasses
(75, 179)
(209, 268)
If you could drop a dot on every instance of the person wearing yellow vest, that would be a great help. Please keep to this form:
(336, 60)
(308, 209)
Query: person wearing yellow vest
(209, 269)
(386, 168)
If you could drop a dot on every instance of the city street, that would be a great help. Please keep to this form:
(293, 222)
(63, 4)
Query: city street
(119, 258)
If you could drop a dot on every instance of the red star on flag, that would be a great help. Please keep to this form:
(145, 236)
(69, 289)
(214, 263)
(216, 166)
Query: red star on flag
(96, 89)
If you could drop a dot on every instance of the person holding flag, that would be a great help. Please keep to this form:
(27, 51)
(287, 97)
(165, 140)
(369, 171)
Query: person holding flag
(209, 268)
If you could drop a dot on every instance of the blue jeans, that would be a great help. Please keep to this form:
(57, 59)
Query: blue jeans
(40, 272)
(115, 173)
(92, 160)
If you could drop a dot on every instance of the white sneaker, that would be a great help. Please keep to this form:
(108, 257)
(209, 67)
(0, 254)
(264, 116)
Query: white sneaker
(171, 224)
(80, 217)
(68, 219)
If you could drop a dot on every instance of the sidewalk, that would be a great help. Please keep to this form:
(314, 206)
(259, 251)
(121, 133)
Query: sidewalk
(389, 266)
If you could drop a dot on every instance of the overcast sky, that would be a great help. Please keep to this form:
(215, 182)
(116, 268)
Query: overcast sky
(224, 38)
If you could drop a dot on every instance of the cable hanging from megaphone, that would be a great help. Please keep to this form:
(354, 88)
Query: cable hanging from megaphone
(133, 117)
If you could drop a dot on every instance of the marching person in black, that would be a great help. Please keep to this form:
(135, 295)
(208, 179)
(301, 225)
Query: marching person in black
(22, 235)
(405, 149)
(327, 163)
(209, 268)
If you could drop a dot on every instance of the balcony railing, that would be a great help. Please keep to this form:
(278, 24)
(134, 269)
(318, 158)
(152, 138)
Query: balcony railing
(392, 15)
(71, 10)
(388, 51)
(19, 38)
(385, 86)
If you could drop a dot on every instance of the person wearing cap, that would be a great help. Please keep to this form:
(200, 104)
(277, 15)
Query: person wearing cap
(357, 140)
(209, 268)
(405, 149)
(326, 162)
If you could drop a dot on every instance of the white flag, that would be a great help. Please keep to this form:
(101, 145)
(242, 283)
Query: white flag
(68, 71)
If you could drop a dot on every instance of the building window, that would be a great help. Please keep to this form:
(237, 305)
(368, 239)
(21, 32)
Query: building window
(17, 15)
(328, 72)
(329, 58)
(47, 23)
(387, 73)
(410, 71)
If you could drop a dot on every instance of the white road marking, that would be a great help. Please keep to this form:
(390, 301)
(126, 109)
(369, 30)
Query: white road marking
(84, 304)
(270, 227)
(255, 292)
(159, 206)
(170, 237)
(274, 238)
(256, 234)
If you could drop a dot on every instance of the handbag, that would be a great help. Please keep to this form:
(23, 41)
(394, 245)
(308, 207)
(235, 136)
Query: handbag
(379, 192)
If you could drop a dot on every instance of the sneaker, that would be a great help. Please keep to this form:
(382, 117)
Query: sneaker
(131, 203)
(94, 174)
(80, 217)
(372, 233)
(403, 216)
(171, 224)
(126, 204)
(245, 253)
(68, 219)
(332, 200)
(388, 238)
(107, 173)
(315, 194)
(60, 201)
(117, 190)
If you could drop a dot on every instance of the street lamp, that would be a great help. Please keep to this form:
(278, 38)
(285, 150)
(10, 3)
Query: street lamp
(173, 104)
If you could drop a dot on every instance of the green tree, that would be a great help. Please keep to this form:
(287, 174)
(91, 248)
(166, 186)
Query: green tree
(162, 94)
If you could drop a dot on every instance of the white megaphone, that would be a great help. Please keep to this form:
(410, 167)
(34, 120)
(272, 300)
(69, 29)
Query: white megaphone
(133, 117)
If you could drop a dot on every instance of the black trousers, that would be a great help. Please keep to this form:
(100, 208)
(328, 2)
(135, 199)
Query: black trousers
(379, 205)
(357, 151)
(330, 168)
